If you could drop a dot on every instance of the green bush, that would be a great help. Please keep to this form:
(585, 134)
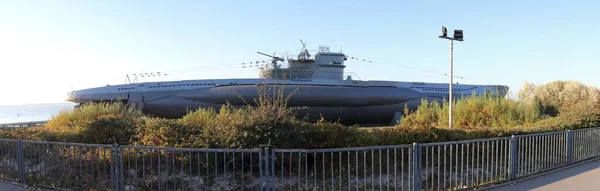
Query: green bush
(89, 112)
(470, 112)
(101, 123)
(168, 133)
(251, 127)
(556, 105)
(29, 133)
(324, 134)
(106, 129)
(562, 97)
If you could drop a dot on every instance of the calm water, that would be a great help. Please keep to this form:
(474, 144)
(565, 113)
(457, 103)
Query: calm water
(34, 112)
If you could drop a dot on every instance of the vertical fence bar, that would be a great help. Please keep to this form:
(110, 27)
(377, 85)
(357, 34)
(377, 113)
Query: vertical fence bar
(272, 174)
(266, 168)
(569, 146)
(578, 146)
(261, 171)
(120, 167)
(464, 166)
(525, 155)
(512, 161)
(416, 155)
(597, 143)
(574, 141)
(113, 178)
(20, 161)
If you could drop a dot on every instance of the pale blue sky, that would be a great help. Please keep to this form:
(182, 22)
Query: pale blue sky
(48, 48)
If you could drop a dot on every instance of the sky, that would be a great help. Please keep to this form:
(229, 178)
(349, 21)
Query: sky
(48, 48)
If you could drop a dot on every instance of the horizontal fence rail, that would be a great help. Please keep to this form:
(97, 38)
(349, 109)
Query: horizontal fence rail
(23, 124)
(454, 165)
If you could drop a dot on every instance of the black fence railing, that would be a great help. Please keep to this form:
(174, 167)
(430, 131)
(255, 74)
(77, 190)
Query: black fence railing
(428, 166)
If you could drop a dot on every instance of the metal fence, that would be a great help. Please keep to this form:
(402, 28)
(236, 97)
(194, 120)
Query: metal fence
(9, 170)
(362, 168)
(155, 168)
(540, 152)
(23, 124)
(428, 166)
(464, 164)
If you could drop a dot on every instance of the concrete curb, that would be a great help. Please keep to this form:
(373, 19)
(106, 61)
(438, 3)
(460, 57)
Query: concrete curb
(597, 158)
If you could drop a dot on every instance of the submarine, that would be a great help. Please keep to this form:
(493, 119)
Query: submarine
(315, 82)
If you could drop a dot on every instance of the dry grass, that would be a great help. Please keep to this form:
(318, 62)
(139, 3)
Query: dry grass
(474, 112)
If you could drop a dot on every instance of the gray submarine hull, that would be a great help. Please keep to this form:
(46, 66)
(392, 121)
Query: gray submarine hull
(344, 104)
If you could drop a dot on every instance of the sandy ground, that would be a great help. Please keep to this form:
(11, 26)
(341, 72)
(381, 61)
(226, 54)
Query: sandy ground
(580, 178)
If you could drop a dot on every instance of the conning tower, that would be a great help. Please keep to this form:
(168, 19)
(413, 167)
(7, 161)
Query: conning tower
(323, 65)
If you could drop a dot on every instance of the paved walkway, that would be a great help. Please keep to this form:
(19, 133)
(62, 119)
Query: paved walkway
(579, 178)
(11, 187)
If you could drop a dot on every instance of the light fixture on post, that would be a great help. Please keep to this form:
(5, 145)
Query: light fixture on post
(458, 36)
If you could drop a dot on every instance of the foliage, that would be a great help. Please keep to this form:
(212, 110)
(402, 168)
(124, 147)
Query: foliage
(168, 133)
(562, 97)
(101, 123)
(472, 112)
(268, 121)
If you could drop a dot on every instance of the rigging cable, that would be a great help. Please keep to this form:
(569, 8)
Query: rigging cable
(423, 70)
(243, 64)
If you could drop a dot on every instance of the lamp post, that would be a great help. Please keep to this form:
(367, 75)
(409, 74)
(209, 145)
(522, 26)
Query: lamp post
(458, 36)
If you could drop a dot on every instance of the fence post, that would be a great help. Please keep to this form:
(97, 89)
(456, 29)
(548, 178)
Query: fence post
(598, 139)
(416, 157)
(569, 146)
(512, 161)
(267, 168)
(20, 161)
(261, 157)
(114, 165)
(272, 176)
(120, 168)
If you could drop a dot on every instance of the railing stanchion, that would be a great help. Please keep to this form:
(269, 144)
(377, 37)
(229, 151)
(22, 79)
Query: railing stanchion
(569, 146)
(416, 155)
(512, 161)
(20, 161)
(267, 169)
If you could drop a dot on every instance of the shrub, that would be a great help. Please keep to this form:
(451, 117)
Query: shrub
(562, 97)
(324, 134)
(89, 112)
(101, 123)
(263, 121)
(28, 133)
(106, 129)
(251, 127)
(168, 133)
(470, 112)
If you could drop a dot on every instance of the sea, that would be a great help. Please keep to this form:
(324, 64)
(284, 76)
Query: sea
(31, 112)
